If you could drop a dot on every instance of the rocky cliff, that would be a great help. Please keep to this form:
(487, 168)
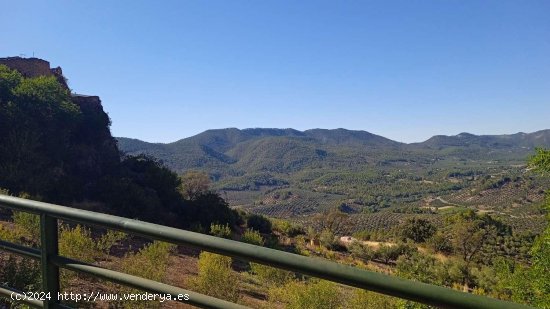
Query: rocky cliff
(95, 149)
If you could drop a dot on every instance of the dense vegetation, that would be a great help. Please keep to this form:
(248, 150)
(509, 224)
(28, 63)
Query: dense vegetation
(53, 149)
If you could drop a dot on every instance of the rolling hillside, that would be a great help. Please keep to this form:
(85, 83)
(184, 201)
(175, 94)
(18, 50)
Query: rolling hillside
(282, 150)
(290, 173)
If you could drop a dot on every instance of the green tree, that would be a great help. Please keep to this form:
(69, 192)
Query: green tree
(470, 233)
(540, 161)
(417, 229)
(37, 123)
(424, 268)
(207, 209)
(328, 240)
(333, 220)
(536, 286)
(441, 242)
(194, 184)
(9, 79)
(258, 223)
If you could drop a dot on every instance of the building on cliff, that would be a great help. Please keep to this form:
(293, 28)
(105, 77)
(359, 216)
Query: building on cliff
(94, 135)
(34, 67)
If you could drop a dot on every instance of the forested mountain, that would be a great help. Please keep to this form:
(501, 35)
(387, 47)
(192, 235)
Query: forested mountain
(290, 173)
(511, 141)
(257, 149)
(283, 150)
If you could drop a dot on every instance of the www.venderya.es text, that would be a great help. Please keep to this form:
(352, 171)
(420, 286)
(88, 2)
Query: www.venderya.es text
(96, 296)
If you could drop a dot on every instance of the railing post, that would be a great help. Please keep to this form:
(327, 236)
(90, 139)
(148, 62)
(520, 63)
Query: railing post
(50, 272)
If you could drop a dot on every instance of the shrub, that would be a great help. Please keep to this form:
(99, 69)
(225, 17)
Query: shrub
(297, 295)
(108, 240)
(252, 237)
(21, 273)
(11, 235)
(259, 223)
(388, 253)
(266, 273)
(151, 262)
(218, 230)
(271, 275)
(328, 240)
(361, 251)
(29, 224)
(362, 299)
(216, 278)
(300, 246)
(418, 267)
(77, 243)
(363, 235)
(287, 228)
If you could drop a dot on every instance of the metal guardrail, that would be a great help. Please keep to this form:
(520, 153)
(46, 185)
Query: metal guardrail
(51, 262)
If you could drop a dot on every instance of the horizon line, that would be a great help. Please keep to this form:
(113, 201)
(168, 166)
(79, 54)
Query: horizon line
(265, 128)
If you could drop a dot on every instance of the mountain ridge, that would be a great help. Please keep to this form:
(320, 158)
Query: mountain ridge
(235, 135)
(286, 172)
(310, 132)
(236, 151)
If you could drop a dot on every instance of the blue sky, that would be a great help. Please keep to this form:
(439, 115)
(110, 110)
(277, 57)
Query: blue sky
(406, 70)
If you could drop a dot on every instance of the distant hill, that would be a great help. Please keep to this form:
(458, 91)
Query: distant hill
(287, 150)
(294, 174)
(278, 150)
(518, 140)
(349, 137)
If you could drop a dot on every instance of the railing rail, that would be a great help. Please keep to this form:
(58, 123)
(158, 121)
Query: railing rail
(51, 261)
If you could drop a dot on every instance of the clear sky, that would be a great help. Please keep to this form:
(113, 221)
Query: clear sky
(406, 70)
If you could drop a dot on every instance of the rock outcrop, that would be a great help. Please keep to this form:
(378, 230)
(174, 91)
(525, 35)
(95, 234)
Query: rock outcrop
(96, 149)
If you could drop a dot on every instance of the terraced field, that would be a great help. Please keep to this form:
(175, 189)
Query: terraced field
(284, 203)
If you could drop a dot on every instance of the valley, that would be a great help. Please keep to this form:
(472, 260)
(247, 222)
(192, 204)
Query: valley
(294, 175)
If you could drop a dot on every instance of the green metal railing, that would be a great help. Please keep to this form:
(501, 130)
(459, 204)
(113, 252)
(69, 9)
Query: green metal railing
(351, 276)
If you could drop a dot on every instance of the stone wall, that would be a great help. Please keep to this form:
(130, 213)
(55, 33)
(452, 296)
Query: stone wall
(29, 67)
(34, 67)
